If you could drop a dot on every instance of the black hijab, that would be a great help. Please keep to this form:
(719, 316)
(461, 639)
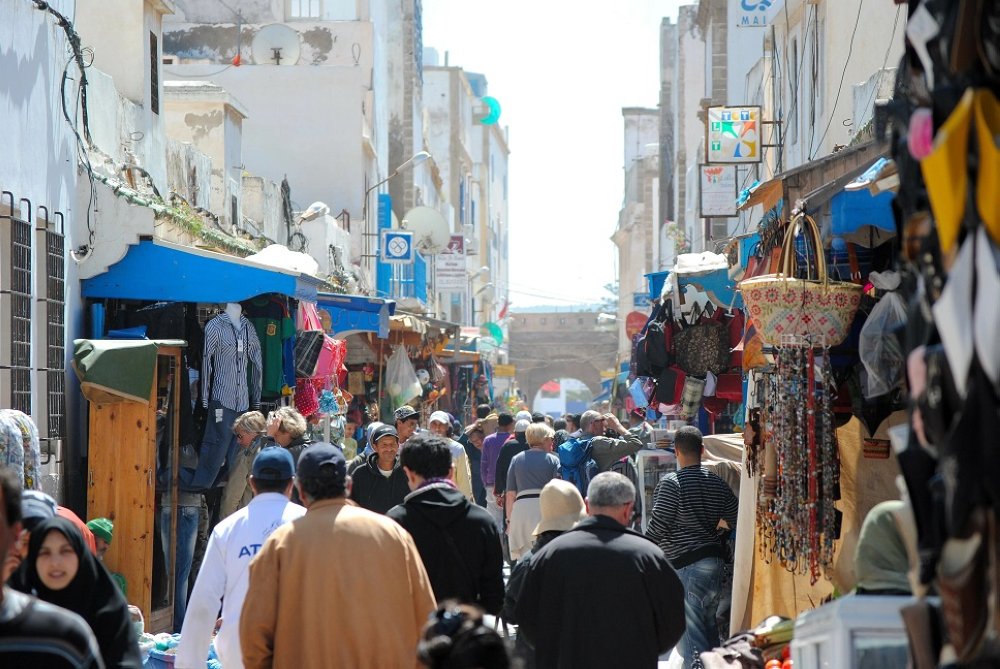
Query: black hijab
(92, 594)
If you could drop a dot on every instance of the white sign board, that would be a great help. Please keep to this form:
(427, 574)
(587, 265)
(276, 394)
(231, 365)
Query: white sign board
(451, 276)
(717, 186)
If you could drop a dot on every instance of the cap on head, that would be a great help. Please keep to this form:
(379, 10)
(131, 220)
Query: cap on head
(405, 412)
(384, 431)
(273, 463)
(36, 506)
(322, 461)
(561, 506)
(440, 417)
(102, 528)
(523, 415)
(521, 425)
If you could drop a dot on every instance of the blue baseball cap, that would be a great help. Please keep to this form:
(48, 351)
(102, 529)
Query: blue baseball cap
(273, 463)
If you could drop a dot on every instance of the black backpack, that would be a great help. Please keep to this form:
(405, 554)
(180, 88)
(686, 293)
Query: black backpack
(654, 346)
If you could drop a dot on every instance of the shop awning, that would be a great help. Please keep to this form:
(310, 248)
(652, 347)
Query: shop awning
(356, 313)
(767, 194)
(155, 269)
(863, 218)
(116, 370)
(706, 273)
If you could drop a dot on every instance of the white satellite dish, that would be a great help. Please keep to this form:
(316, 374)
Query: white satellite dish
(430, 230)
(275, 44)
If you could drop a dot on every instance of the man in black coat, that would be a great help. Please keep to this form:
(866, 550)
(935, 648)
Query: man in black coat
(380, 484)
(601, 595)
(458, 541)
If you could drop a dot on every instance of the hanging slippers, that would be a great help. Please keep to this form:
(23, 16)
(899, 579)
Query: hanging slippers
(946, 171)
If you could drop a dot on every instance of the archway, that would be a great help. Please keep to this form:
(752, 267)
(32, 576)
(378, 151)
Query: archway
(559, 396)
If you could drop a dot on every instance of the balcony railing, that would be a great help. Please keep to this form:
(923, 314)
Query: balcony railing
(403, 281)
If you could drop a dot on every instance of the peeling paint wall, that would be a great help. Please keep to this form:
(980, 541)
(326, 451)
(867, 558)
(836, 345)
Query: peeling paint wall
(262, 205)
(189, 173)
(333, 43)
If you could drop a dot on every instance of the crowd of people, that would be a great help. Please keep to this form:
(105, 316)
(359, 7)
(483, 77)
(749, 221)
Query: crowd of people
(392, 552)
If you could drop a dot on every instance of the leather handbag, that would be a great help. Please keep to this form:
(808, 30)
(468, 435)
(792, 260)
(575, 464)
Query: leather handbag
(783, 304)
(702, 347)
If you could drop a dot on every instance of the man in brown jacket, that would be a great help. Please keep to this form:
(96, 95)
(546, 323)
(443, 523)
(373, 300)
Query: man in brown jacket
(304, 609)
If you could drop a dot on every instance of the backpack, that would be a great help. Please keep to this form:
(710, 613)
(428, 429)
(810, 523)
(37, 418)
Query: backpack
(576, 463)
(626, 468)
(654, 346)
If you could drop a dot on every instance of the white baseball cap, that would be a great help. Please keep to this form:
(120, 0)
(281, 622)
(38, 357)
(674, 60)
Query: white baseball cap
(440, 417)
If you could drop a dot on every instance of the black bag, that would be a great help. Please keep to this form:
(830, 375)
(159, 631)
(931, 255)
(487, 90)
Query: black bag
(308, 345)
(654, 348)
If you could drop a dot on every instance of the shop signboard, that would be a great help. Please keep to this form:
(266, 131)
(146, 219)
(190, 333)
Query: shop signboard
(634, 323)
(451, 276)
(717, 185)
(397, 247)
(641, 300)
(752, 13)
(505, 371)
(733, 135)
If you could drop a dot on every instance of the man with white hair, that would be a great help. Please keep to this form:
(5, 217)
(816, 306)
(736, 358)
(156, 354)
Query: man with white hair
(607, 450)
(601, 576)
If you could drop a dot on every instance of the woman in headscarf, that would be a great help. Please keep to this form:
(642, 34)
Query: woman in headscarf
(60, 570)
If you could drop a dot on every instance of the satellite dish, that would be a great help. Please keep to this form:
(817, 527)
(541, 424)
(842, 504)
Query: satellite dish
(430, 230)
(275, 44)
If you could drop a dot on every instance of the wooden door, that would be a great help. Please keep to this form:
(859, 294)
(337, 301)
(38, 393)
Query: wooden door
(121, 487)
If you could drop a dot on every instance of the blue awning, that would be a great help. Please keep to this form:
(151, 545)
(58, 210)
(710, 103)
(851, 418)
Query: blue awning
(356, 313)
(863, 218)
(155, 269)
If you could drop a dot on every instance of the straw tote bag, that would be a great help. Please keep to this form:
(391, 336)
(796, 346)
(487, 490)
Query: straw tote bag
(783, 304)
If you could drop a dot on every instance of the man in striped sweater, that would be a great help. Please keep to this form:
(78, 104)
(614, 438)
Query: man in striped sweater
(690, 508)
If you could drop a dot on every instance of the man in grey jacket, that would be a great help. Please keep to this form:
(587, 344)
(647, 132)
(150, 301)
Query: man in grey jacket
(607, 450)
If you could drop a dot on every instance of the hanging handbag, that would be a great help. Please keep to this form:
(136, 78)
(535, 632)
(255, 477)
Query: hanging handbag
(331, 357)
(703, 346)
(670, 385)
(691, 396)
(783, 304)
(308, 345)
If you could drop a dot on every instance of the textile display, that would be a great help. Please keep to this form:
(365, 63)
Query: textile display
(270, 319)
(799, 525)
(783, 304)
(115, 370)
(18, 432)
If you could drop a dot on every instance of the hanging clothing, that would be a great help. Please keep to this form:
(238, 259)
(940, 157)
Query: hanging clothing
(92, 594)
(232, 364)
(274, 327)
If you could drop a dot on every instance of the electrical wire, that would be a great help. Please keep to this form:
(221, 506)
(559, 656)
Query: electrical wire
(793, 108)
(843, 75)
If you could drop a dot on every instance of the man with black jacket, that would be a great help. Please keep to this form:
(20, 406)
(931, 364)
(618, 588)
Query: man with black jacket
(457, 540)
(601, 576)
(380, 484)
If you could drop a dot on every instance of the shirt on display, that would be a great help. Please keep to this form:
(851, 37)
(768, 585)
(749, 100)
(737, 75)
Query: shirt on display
(232, 364)
(274, 327)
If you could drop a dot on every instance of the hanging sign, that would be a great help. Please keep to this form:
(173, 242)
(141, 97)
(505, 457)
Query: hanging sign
(717, 185)
(397, 247)
(451, 276)
(733, 135)
(753, 13)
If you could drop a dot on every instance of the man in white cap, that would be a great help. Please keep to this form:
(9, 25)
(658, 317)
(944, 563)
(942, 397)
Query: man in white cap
(440, 424)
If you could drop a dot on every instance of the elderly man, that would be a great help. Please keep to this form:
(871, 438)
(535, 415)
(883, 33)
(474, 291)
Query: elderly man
(633, 616)
(607, 450)
(305, 608)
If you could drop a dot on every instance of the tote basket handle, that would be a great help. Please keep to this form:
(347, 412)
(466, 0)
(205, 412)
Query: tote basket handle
(787, 260)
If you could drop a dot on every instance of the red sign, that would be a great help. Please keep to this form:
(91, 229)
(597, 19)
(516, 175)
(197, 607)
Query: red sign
(634, 322)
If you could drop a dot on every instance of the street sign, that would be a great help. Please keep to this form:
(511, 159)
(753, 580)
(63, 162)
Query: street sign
(733, 135)
(397, 247)
(451, 275)
(717, 190)
(641, 300)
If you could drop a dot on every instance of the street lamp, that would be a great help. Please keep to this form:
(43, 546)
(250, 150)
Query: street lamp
(471, 297)
(412, 162)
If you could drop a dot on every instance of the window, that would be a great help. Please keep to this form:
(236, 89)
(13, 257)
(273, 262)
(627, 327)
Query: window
(17, 293)
(304, 9)
(154, 74)
(52, 425)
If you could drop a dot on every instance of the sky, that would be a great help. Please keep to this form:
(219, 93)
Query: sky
(562, 70)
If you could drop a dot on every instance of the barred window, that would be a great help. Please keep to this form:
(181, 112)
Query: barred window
(15, 312)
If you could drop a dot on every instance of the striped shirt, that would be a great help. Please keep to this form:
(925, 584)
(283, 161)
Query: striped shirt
(687, 506)
(224, 377)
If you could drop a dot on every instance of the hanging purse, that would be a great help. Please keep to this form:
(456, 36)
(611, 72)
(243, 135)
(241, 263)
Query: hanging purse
(703, 346)
(783, 304)
(691, 396)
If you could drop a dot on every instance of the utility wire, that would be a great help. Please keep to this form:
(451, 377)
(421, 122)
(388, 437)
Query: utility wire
(843, 75)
